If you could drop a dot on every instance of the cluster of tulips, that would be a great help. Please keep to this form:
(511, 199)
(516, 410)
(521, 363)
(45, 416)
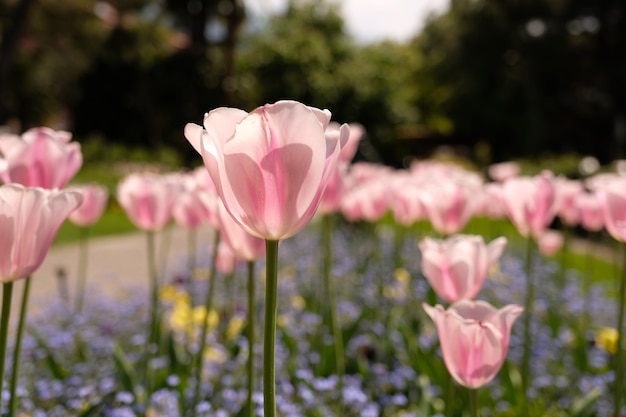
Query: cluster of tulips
(266, 174)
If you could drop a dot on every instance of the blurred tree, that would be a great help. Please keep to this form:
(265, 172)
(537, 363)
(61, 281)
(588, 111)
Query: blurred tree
(528, 76)
(305, 54)
(38, 62)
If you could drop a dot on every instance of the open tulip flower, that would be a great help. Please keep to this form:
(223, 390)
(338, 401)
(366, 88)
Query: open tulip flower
(95, 199)
(530, 203)
(41, 157)
(449, 203)
(612, 202)
(30, 218)
(456, 268)
(148, 200)
(270, 166)
(474, 338)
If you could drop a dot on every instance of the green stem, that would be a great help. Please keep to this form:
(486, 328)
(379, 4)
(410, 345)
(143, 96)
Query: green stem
(473, 402)
(154, 290)
(208, 306)
(17, 348)
(7, 290)
(251, 341)
(151, 346)
(166, 240)
(528, 312)
(192, 245)
(269, 342)
(449, 393)
(327, 229)
(82, 268)
(619, 354)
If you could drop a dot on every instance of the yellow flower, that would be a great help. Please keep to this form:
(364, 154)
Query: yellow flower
(234, 327)
(282, 320)
(390, 291)
(606, 338)
(212, 354)
(199, 313)
(180, 316)
(298, 302)
(171, 294)
(402, 276)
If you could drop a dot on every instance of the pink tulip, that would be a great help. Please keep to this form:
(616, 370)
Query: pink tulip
(270, 166)
(367, 201)
(612, 200)
(357, 131)
(334, 192)
(457, 267)
(474, 339)
(449, 204)
(566, 193)
(147, 199)
(226, 259)
(193, 208)
(405, 193)
(503, 171)
(42, 157)
(95, 199)
(30, 218)
(489, 201)
(590, 213)
(550, 242)
(243, 245)
(530, 203)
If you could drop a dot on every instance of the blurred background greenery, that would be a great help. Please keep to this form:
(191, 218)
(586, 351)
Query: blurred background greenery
(489, 80)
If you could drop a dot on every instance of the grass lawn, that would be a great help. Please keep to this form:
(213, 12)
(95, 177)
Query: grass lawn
(113, 222)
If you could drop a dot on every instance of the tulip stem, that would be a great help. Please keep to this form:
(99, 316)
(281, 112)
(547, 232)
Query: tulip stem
(192, 245)
(449, 393)
(208, 306)
(269, 342)
(619, 354)
(17, 348)
(473, 402)
(154, 290)
(251, 341)
(151, 346)
(528, 312)
(327, 230)
(7, 291)
(82, 268)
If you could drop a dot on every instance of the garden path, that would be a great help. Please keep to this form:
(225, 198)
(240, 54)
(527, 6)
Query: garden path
(117, 267)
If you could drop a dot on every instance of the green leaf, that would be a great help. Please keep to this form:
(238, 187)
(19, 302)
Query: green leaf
(124, 369)
(582, 407)
(56, 368)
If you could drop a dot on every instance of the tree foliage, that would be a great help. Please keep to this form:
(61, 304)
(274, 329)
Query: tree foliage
(516, 77)
(528, 77)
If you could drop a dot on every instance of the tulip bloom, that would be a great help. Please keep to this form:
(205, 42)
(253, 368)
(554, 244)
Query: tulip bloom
(195, 205)
(270, 166)
(29, 220)
(95, 199)
(457, 267)
(449, 204)
(148, 200)
(243, 245)
(474, 339)
(590, 213)
(567, 192)
(612, 200)
(530, 203)
(503, 171)
(550, 242)
(42, 157)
